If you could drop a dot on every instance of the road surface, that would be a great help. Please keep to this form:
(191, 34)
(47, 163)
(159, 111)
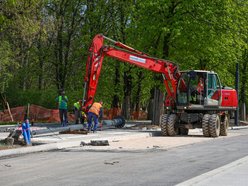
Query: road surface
(147, 167)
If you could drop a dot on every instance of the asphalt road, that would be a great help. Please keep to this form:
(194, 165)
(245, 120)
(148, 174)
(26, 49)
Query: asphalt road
(152, 167)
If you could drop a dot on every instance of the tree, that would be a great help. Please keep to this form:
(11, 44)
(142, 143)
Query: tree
(8, 65)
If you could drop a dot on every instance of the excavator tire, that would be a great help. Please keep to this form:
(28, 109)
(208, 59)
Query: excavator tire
(163, 124)
(205, 125)
(224, 126)
(171, 130)
(214, 125)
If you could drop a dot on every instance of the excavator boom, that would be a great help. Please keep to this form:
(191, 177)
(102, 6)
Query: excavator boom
(124, 53)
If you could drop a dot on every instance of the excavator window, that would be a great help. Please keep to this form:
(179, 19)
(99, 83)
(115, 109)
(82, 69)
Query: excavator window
(197, 88)
(214, 92)
(191, 88)
(212, 86)
(182, 92)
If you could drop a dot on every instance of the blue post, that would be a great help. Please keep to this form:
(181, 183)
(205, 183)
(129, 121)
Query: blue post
(26, 132)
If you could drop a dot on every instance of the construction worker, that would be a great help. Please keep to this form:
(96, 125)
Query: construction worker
(94, 113)
(62, 104)
(77, 111)
(200, 86)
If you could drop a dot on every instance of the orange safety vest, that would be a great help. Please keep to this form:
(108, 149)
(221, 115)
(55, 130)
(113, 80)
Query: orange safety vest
(95, 108)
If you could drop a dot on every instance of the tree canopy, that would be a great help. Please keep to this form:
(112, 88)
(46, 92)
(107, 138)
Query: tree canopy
(44, 45)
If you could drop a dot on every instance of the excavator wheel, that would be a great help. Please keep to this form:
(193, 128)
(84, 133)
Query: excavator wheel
(224, 126)
(214, 125)
(163, 124)
(205, 125)
(171, 129)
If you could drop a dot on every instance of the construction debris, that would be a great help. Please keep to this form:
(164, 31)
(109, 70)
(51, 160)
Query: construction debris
(69, 131)
(12, 141)
(111, 163)
(13, 137)
(9, 141)
(95, 143)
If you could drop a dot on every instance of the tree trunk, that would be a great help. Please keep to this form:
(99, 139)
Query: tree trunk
(127, 93)
(126, 107)
(156, 106)
(41, 58)
(116, 100)
(243, 87)
(157, 100)
(138, 95)
(63, 44)
(203, 64)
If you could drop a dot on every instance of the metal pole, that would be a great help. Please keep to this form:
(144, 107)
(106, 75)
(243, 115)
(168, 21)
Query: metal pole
(243, 117)
(237, 89)
(85, 87)
(117, 122)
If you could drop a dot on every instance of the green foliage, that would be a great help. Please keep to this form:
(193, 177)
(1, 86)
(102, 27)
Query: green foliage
(44, 44)
(7, 67)
(45, 98)
(19, 97)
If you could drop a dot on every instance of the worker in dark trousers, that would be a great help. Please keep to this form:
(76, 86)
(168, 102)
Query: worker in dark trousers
(94, 113)
(83, 118)
(78, 111)
(62, 104)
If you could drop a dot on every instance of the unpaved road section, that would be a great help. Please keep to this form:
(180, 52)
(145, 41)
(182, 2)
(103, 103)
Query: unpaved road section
(160, 142)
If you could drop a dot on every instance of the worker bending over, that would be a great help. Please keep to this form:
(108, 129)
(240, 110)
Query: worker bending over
(94, 113)
(78, 111)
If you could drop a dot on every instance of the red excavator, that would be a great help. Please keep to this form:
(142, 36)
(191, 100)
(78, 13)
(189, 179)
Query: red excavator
(195, 98)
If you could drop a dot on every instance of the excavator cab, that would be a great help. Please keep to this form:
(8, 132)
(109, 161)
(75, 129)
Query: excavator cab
(199, 88)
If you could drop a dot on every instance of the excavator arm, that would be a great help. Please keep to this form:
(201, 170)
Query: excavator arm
(98, 50)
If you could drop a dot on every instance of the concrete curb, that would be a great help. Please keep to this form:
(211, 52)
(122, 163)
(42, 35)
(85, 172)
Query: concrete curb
(238, 127)
(214, 174)
(69, 143)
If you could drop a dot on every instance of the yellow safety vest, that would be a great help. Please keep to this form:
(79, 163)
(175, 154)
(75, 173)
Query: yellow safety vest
(77, 105)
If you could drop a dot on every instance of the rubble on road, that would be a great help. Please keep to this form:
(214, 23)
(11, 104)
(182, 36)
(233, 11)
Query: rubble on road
(69, 131)
(95, 143)
(145, 127)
